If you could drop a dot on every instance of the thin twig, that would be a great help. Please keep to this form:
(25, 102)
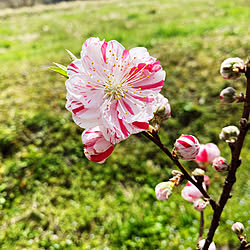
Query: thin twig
(235, 163)
(155, 138)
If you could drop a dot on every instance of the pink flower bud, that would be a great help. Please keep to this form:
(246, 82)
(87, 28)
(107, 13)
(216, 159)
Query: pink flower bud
(202, 243)
(164, 190)
(206, 181)
(191, 192)
(228, 95)
(238, 228)
(96, 147)
(200, 204)
(220, 164)
(231, 68)
(207, 153)
(187, 147)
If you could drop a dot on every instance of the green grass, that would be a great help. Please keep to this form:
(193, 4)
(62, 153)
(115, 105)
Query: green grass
(51, 196)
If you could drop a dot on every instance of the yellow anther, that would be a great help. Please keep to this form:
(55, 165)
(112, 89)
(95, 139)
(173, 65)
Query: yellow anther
(147, 76)
(113, 66)
(104, 70)
(121, 69)
(93, 69)
(142, 107)
(125, 67)
(140, 77)
(136, 89)
(119, 65)
(124, 95)
(122, 66)
(125, 61)
(108, 76)
(98, 80)
(107, 58)
(133, 92)
(126, 91)
(135, 103)
(110, 50)
(90, 74)
(142, 71)
(113, 54)
(135, 57)
(126, 113)
(109, 93)
(122, 56)
(139, 88)
(106, 62)
(92, 63)
(106, 86)
(145, 104)
(116, 59)
(93, 87)
(143, 75)
(103, 98)
(136, 68)
(143, 97)
(88, 81)
(107, 105)
(119, 97)
(140, 91)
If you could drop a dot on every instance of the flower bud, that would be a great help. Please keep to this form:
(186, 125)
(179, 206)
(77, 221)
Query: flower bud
(207, 153)
(220, 164)
(164, 190)
(191, 192)
(96, 147)
(202, 243)
(200, 204)
(229, 134)
(238, 228)
(231, 68)
(187, 147)
(162, 110)
(198, 172)
(228, 95)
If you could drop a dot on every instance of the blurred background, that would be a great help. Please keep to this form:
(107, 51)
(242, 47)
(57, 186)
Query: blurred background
(51, 196)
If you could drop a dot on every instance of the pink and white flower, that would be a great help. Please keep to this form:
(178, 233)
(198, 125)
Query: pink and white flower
(238, 228)
(163, 190)
(96, 147)
(114, 88)
(202, 243)
(191, 192)
(187, 147)
(207, 153)
(220, 164)
(200, 204)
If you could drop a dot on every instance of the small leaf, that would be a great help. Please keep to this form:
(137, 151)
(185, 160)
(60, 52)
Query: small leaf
(71, 55)
(61, 66)
(59, 70)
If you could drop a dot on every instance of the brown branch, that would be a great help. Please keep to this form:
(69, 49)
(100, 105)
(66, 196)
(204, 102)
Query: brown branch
(235, 163)
(155, 138)
(201, 226)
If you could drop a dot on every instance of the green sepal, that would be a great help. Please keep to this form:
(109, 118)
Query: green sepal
(71, 55)
(61, 70)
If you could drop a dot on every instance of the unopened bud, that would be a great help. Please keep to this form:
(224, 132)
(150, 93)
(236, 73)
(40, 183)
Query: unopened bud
(162, 110)
(238, 228)
(176, 172)
(228, 95)
(200, 204)
(187, 147)
(164, 190)
(231, 68)
(229, 134)
(198, 172)
(220, 164)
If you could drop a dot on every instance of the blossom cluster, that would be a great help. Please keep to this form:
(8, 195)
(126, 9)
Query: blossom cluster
(112, 93)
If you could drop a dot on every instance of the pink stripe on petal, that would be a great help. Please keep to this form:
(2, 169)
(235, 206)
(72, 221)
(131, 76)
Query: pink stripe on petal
(185, 144)
(146, 99)
(152, 86)
(125, 54)
(73, 65)
(123, 128)
(141, 125)
(77, 110)
(103, 50)
(190, 137)
(102, 156)
(128, 107)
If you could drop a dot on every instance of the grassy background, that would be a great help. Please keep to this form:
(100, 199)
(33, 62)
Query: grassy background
(51, 196)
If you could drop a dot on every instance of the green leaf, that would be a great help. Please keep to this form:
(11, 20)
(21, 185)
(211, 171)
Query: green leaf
(71, 55)
(61, 66)
(59, 70)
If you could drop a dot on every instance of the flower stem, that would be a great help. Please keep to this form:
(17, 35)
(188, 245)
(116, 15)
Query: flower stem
(235, 163)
